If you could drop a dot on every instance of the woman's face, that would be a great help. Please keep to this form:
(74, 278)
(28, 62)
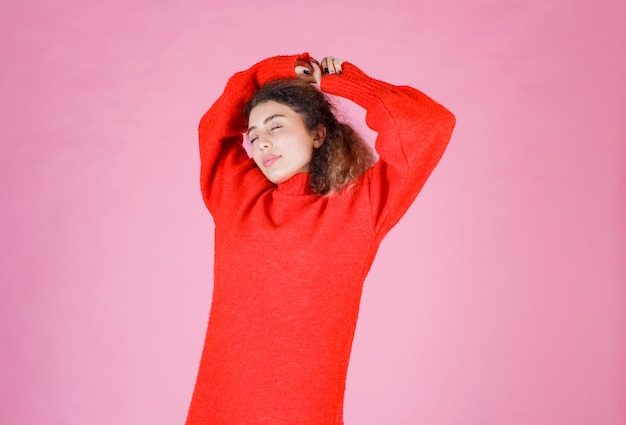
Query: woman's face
(281, 144)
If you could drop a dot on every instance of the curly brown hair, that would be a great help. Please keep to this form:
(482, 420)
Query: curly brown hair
(343, 157)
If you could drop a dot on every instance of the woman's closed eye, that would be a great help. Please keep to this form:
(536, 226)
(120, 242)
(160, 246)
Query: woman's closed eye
(254, 137)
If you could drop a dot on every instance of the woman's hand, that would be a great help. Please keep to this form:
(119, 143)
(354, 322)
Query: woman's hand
(311, 72)
(314, 71)
(332, 65)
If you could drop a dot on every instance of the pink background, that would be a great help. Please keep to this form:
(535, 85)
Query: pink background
(499, 299)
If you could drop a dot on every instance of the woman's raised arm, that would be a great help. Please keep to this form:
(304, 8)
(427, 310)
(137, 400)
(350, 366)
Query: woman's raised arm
(224, 161)
(413, 132)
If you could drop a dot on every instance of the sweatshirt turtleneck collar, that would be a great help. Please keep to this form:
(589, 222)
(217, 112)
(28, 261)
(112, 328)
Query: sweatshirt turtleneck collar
(299, 184)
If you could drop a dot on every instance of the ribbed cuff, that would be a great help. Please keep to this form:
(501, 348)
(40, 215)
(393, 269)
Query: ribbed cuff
(277, 67)
(354, 84)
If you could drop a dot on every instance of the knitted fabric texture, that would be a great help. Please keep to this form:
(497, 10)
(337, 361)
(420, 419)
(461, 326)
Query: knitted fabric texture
(289, 264)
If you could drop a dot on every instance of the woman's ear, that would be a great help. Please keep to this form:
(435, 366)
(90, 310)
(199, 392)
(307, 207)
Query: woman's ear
(319, 135)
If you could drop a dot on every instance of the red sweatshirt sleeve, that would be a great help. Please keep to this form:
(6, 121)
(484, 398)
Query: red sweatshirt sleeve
(413, 132)
(224, 161)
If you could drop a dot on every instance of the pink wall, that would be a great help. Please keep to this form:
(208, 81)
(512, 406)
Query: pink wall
(499, 299)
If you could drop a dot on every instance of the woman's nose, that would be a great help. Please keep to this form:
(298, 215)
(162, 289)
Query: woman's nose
(264, 142)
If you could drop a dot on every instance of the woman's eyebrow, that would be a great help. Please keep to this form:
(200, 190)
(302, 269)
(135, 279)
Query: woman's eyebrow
(268, 119)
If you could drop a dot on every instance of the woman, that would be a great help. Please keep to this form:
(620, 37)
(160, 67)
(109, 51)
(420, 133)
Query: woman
(296, 231)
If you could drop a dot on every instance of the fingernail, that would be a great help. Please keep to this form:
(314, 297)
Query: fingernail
(325, 70)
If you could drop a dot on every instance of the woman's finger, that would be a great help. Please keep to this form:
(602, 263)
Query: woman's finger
(331, 64)
(317, 71)
(338, 65)
(304, 71)
(302, 67)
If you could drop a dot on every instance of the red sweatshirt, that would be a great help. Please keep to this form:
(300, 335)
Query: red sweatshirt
(289, 264)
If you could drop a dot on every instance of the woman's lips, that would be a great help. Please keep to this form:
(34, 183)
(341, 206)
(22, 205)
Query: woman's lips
(269, 159)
